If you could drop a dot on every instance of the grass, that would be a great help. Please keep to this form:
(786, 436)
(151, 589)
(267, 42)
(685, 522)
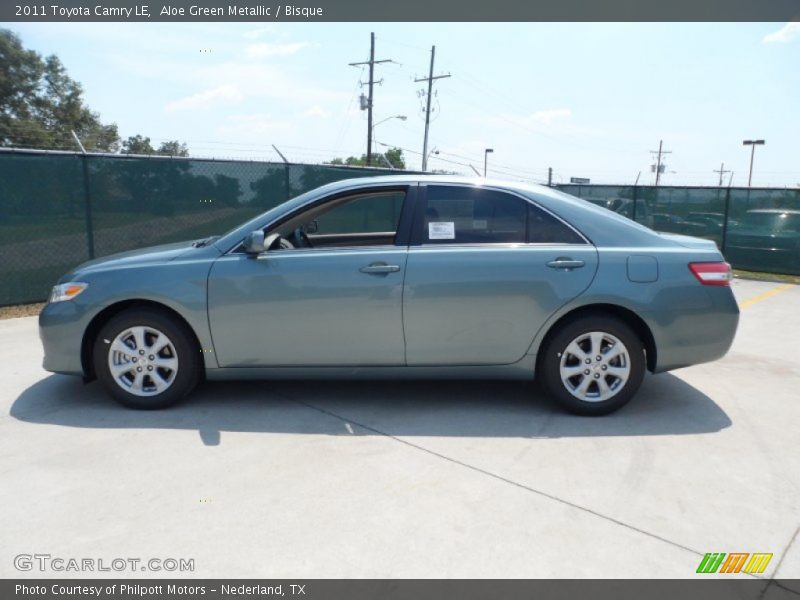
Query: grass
(21, 310)
(760, 276)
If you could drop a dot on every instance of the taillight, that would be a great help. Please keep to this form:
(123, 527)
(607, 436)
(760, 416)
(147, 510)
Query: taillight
(712, 273)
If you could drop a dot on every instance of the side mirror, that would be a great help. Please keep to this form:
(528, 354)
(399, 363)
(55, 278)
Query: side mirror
(311, 227)
(254, 242)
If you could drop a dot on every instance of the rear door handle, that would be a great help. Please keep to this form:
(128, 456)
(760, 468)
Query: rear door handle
(379, 268)
(564, 262)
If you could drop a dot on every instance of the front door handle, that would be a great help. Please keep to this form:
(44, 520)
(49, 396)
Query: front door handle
(379, 268)
(564, 262)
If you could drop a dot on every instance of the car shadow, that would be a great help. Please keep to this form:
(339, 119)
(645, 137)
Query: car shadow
(665, 405)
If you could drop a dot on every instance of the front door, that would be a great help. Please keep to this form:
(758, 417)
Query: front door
(330, 296)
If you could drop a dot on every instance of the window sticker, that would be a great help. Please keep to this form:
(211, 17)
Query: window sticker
(442, 230)
(480, 224)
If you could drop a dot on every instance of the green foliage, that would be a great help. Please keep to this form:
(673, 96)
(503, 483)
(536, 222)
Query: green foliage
(173, 148)
(136, 144)
(392, 158)
(40, 105)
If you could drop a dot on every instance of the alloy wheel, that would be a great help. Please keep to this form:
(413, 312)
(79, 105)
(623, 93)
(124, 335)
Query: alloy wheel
(595, 366)
(143, 361)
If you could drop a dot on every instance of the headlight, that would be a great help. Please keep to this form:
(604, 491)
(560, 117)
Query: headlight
(67, 291)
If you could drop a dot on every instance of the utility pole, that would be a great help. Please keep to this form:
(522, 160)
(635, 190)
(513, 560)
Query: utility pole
(660, 153)
(430, 78)
(549, 176)
(721, 172)
(371, 62)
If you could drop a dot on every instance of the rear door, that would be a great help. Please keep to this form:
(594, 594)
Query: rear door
(486, 268)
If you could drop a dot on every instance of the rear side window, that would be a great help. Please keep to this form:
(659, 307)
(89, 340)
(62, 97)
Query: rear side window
(544, 228)
(473, 215)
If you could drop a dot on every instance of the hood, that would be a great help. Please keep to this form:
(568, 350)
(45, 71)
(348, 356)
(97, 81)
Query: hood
(142, 256)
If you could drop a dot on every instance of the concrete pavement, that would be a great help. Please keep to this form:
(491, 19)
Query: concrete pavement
(414, 478)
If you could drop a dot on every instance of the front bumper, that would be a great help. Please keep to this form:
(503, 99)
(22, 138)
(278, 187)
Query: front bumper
(61, 328)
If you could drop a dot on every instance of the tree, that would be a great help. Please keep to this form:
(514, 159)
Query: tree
(395, 157)
(391, 158)
(40, 105)
(136, 144)
(173, 148)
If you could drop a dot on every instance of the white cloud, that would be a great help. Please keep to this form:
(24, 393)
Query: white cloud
(315, 111)
(266, 49)
(785, 34)
(252, 125)
(547, 117)
(206, 99)
(254, 34)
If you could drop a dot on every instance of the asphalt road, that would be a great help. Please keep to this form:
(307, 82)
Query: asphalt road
(413, 479)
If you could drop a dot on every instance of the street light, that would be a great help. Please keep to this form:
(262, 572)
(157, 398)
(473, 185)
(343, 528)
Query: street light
(752, 144)
(401, 117)
(486, 159)
(431, 153)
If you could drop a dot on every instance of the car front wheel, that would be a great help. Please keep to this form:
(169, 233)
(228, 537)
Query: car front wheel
(593, 365)
(145, 359)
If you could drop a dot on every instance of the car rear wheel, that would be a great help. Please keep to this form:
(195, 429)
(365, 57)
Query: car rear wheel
(146, 359)
(593, 365)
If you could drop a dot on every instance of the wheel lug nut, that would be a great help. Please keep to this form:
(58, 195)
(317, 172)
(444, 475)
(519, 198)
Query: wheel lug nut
(597, 375)
(139, 369)
(135, 359)
(605, 367)
(141, 351)
(149, 368)
(599, 357)
(588, 360)
(586, 372)
(151, 357)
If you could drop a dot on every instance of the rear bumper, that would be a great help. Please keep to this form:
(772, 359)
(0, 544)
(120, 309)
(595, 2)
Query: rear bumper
(698, 334)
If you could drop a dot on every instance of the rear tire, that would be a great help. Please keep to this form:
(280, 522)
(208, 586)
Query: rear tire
(146, 359)
(593, 365)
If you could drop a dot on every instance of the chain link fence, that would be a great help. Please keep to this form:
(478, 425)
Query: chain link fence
(757, 229)
(60, 209)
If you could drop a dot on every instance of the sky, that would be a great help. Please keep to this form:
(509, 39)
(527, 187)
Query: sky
(585, 99)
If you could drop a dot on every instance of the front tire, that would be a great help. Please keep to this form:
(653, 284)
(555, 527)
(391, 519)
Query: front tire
(593, 365)
(146, 359)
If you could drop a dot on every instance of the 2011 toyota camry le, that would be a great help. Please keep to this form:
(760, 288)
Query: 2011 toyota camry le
(401, 276)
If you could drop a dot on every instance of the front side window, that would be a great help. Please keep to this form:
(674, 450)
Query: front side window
(473, 215)
(362, 219)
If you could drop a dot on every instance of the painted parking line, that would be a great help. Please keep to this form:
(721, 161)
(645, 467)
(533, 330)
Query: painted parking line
(764, 295)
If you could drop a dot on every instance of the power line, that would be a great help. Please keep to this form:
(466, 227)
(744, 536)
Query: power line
(430, 79)
(371, 62)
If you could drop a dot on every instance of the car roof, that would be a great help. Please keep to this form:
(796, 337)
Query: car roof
(598, 225)
(438, 178)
